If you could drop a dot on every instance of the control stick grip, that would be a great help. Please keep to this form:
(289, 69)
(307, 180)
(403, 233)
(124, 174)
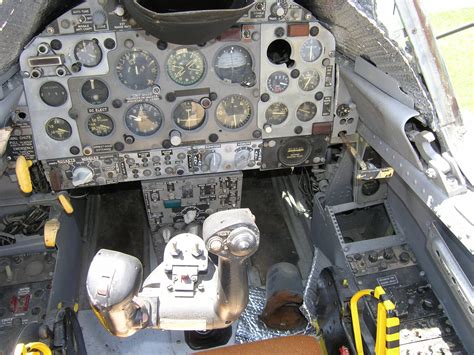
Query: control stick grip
(113, 280)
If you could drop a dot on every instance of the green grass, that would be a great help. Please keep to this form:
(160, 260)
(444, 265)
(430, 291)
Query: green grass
(458, 52)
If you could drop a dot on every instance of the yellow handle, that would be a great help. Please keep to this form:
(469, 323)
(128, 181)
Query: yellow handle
(32, 348)
(355, 319)
(66, 203)
(23, 174)
(388, 336)
(51, 229)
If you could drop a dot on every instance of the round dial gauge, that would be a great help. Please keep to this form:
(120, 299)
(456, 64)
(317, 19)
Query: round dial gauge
(233, 64)
(306, 111)
(137, 69)
(278, 82)
(189, 115)
(95, 91)
(100, 125)
(234, 111)
(88, 53)
(58, 129)
(276, 113)
(186, 66)
(53, 94)
(311, 50)
(309, 80)
(144, 119)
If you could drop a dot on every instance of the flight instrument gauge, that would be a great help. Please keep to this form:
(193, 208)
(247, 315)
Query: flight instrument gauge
(309, 80)
(95, 92)
(278, 82)
(100, 125)
(137, 69)
(186, 66)
(53, 93)
(234, 111)
(311, 50)
(233, 65)
(144, 119)
(306, 111)
(276, 113)
(58, 129)
(88, 53)
(189, 115)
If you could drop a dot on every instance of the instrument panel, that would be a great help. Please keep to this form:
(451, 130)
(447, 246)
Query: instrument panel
(97, 86)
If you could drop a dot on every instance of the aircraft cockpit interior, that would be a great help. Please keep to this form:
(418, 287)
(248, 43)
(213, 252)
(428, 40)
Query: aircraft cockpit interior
(234, 176)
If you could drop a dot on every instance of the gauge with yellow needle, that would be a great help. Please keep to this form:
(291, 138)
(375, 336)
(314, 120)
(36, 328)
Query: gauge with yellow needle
(186, 66)
(276, 113)
(100, 124)
(144, 119)
(306, 111)
(234, 111)
(58, 129)
(189, 115)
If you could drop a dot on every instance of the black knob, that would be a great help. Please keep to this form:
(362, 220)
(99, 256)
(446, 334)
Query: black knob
(117, 103)
(162, 45)
(265, 97)
(213, 138)
(279, 32)
(427, 305)
(404, 257)
(166, 144)
(56, 44)
(314, 31)
(109, 43)
(74, 150)
(119, 146)
(129, 139)
(373, 257)
(388, 254)
(319, 96)
(357, 257)
(295, 73)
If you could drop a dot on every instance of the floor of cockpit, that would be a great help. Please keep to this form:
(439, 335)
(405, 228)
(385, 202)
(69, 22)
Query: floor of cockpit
(276, 244)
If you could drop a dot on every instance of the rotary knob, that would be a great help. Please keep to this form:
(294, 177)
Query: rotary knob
(278, 9)
(242, 159)
(82, 176)
(212, 162)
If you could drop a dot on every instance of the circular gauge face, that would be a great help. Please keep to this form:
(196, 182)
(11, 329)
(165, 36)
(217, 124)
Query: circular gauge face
(234, 111)
(53, 94)
(144, 119)
(311, 50)
(58, 129)
(276, 113)
(233, 65)
(189, 115)
(295, 151)
(137, 69)
(278, 82)
(186, 66)
(309, 80)
(306, 111)
(88, 53)
(95, 91)
(100, 125)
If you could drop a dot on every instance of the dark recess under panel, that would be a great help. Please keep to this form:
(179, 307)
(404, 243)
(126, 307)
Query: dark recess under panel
(276, 244)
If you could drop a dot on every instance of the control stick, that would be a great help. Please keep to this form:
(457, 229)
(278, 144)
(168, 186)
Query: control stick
(187, 291)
